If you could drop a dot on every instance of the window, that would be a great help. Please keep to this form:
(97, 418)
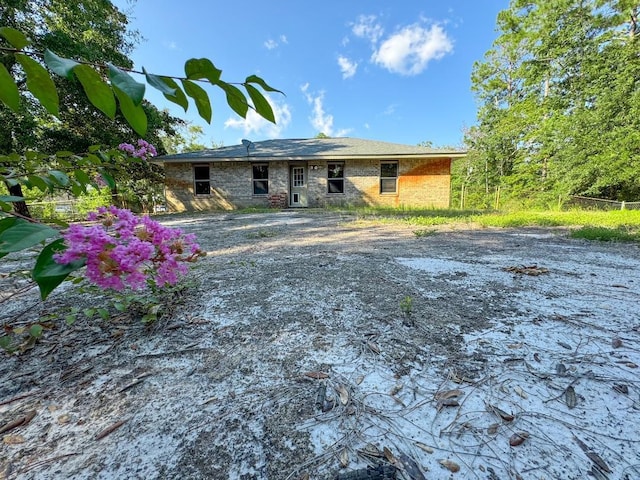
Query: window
(260, 179)
(389, 177)
(335, 178)
(298, 176)
(202, 179)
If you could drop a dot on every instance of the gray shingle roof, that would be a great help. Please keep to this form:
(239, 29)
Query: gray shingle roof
(309, 149)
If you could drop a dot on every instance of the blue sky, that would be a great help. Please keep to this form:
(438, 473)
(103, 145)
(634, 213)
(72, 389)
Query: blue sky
(391, 71)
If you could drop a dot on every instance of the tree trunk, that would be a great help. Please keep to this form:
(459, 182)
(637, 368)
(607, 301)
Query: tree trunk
(19, 207)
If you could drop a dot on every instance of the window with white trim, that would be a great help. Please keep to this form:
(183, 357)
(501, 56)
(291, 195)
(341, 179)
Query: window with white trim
(260, 179)
(202, 179)
(335, 177)
(389, 177)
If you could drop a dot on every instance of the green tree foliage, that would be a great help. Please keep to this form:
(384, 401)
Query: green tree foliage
(559, 101)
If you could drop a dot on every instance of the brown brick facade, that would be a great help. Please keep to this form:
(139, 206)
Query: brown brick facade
(421, 183)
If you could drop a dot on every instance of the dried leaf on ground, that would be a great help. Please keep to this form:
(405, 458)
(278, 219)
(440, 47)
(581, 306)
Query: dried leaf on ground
(450, 465)
(447, 402)
(594, 457)
(518, 438)
(520, 392)
(373, 347)
(570, 397)
(389, 456)
(532, 270)
(493, 428)
(344, 458)
(424, 447)
(616, 342)
(536, 357)
(13, 439)
(507, 417)
(564, 345)
(343, 393)
(448, 394)
(18, 422)
(317, 375)
(110, 429)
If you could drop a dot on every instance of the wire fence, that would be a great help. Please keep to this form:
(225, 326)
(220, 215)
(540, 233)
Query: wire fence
(602, 204)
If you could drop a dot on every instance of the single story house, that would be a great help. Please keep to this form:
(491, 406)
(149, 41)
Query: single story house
(314, 172)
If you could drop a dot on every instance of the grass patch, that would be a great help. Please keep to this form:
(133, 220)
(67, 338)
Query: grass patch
(615, 225)
(606, 234)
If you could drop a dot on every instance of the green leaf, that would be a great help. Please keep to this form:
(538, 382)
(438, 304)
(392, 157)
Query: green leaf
(111, 183)
(260, 103)
(262, 83)
(6, 223)
(235, 98)
(179, 98)
(35, 330)
(11, 198)
(23, 235)
(97, 91)
(126, 84)
(47, 273)
(9, 93)
(61, 178)
(39, 83)
(199, 68)
(89, 312)
(15, 37)
(104, 313)
(82, 177)
(158, 83)
(134, 114)
(43, 184)
(58, 65)
(200, 97)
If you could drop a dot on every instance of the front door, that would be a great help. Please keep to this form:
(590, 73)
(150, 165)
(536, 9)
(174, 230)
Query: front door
(298, 186)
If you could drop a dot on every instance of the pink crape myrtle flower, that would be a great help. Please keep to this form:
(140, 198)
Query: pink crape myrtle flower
(144, 150)
(123, 250)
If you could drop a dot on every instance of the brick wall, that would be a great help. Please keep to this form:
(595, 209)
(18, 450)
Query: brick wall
(421, 183)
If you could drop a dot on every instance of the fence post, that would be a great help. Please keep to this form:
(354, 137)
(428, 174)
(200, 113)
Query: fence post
(622, 205)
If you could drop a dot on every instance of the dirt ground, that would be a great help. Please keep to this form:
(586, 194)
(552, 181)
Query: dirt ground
(314, 344)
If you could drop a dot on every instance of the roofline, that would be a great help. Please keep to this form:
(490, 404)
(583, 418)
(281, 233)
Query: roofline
(179, 158)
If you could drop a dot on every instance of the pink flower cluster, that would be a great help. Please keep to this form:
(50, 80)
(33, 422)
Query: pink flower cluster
(145, 149)
(124, 250)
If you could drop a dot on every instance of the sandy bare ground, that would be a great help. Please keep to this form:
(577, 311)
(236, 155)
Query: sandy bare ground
(314, 344)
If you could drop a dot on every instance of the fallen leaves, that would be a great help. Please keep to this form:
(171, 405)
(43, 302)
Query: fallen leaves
(518, 438)
(18, 422)
(570, 397)
(450, 465)
(110, 429)
(533, 270)
(317, 375)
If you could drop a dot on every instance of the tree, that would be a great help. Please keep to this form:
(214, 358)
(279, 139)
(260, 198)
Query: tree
(559, 76)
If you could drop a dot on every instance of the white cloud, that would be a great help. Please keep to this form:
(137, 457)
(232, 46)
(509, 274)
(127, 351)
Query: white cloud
(367, 26)
(410, 50)
(347, 67)
(255, 124)
(170, 44)
(271, 44)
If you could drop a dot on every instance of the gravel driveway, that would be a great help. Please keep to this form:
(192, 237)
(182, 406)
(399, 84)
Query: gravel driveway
(315, 344)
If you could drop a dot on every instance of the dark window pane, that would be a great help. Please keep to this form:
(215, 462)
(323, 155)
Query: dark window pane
(260, 172)
(387, 185)
(201, 172)
(260, 187)
(388, 169)
(203, 187)
(336, 186)
(335, 170)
